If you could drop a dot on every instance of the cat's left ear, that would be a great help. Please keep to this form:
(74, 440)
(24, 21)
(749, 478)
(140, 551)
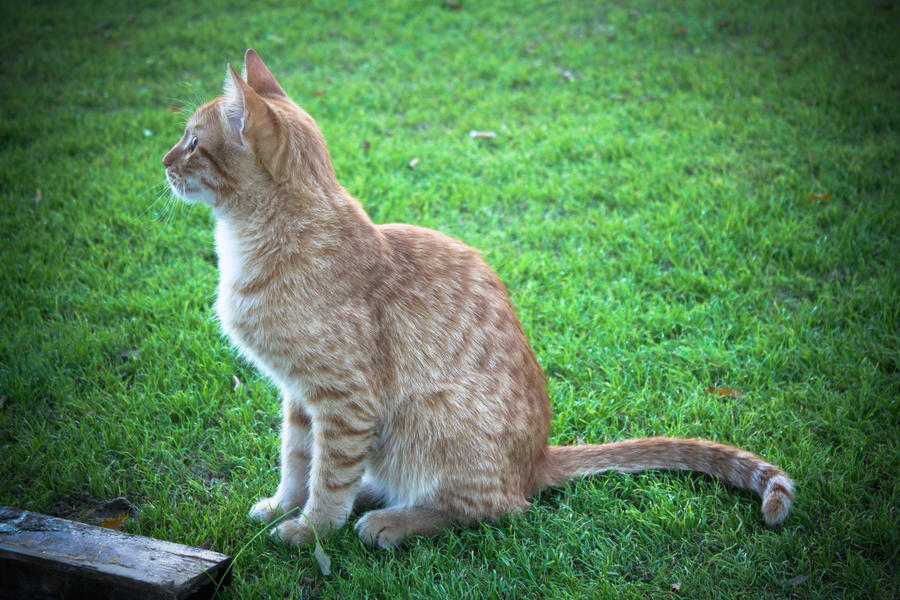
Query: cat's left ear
(241, 103)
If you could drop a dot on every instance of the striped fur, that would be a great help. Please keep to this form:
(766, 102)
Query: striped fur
(732, 465)
(406, 377)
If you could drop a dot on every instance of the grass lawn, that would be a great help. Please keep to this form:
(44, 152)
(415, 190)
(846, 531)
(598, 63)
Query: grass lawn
(680, 196)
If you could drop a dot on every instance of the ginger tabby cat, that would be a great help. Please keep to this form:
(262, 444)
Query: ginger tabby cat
(406, 378)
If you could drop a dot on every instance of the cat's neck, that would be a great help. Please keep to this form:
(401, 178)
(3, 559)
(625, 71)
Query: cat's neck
(292, 236)
(234, 253)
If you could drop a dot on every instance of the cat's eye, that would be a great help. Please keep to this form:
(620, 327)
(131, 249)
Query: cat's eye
(193, 144)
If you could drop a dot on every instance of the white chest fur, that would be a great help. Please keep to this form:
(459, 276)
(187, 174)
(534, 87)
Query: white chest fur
(250, 319)
(243, 315)
(231, 260)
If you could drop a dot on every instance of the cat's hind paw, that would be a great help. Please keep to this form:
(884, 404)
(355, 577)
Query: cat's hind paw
(389, 527)
(379, 530)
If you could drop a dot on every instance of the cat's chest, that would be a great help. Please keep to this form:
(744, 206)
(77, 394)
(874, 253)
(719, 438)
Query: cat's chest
(264, 334)
(239, 314)
(248, 310)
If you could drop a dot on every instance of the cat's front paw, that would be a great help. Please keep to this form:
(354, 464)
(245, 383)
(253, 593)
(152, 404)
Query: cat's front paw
(296, 532)
(267, 510)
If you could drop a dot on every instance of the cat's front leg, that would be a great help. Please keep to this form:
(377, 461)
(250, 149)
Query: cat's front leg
(296, 448)
(343, 432)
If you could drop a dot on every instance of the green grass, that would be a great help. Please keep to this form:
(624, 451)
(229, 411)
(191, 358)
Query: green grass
(647, 201)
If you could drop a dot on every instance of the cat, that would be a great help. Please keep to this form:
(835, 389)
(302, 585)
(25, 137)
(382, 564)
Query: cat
(407, 381)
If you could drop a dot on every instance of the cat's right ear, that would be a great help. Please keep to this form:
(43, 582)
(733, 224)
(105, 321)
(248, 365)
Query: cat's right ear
(259, 77)
(241, 103)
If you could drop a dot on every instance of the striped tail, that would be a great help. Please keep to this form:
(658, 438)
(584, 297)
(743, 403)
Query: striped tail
(732, 465)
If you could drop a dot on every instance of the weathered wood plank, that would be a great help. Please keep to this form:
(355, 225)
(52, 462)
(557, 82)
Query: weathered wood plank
(47, 557)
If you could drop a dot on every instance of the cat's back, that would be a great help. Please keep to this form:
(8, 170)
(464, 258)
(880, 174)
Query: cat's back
(439, 277)
(462, 368)
(452, 321)
(429, 255)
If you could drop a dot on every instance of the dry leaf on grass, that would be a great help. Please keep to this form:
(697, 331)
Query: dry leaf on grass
(797, 580)
(725, 392)
(819, 197)
(484, 135)
(323, 559)
(115, 523)
(133, 353)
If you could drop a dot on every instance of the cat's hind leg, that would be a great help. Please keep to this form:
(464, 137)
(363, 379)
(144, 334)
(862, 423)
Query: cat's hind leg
(388, 527)
(368, 498)
(296, 447)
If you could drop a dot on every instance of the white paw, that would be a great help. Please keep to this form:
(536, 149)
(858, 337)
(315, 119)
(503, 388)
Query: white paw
(269, 509)
(296, 532)
(266, 510)
(302, 531)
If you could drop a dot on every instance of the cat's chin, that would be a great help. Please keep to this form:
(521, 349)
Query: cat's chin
(197, 195)
(188, 190)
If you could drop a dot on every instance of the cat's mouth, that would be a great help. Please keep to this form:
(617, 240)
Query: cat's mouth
(187, 191)
(176, 183)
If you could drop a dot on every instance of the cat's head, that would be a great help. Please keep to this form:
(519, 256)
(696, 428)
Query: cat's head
(237, 149)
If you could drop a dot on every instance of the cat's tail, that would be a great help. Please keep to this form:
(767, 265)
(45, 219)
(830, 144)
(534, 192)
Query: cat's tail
(732, 465)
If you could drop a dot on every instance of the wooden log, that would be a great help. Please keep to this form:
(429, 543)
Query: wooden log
(45, 557)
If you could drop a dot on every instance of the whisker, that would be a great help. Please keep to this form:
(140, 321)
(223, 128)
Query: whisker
(161, 189)
(152, 205)
(189, 105)
(173, 205)
(167, 196)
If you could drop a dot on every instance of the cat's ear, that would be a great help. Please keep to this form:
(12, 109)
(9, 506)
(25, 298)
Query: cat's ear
(235, 106)
(259, 76)
(241, 102)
